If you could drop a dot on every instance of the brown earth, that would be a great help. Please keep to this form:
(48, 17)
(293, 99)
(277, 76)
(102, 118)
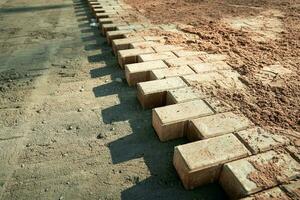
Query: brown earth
(254, 34)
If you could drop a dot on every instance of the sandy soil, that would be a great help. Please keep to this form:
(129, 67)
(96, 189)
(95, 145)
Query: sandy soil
(262, 40)
(68, 129)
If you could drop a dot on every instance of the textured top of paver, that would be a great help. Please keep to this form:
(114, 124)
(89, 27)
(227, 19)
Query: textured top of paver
(208, 67)
(225, 79)
(175, 62)
(157, 56)
(183, 111)
(185, 94)
(163, 48)
(218, 105)
(127, 40)
(133, 52)
(263, 170)
(154, 38)
(220, 124)
(117, 32)
(161, 85)
(144, 44)
(212, 152)
(184, 53)
(130, 26)
(260, 140)
(145, 66)
(213, 57)
(170, 72)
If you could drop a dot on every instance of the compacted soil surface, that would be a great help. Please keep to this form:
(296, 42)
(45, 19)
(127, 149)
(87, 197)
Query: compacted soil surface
(69, 128)
(262, 41)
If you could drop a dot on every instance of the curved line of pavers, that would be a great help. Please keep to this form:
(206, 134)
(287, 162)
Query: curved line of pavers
(225, 146)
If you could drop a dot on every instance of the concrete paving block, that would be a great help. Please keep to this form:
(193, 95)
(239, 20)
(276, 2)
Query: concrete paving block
(213, 57)
(182, 95)
(263, 171)
(164, 48)
(199, 163)
(102, 10)
(259, 140)
(186, 53)
(293, 189)
(170, 72)
(176, 62)
(275, 193)
(156, 56)
(130, 26)
(124, 43)
(218, 105)
(143, 44)
(152, 94)
(170, 122)
(216, 125)
(93, 3)
(209, 67)
(109, 20)
(110, 27)
(95, 7)
(112, 35)
(129, 56)
(226, 79)
(160, 39)
(140, 72)
(106, 15)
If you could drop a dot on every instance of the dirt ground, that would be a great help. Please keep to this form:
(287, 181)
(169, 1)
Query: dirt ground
(262, 40)
(68, 128)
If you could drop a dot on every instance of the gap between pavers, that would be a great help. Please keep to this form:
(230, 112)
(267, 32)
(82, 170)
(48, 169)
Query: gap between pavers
(152, 94)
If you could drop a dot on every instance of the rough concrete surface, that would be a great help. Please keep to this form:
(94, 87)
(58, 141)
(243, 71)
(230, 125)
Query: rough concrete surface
(68, 128)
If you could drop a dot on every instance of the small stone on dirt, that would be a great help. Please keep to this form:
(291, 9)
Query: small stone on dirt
(79, 110)
(119, 80)
(100, 136)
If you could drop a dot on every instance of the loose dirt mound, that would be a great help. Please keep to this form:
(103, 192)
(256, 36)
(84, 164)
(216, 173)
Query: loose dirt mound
(256, 35)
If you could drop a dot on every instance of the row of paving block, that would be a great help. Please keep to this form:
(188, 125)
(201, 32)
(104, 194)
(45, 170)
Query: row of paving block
(225, 146)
